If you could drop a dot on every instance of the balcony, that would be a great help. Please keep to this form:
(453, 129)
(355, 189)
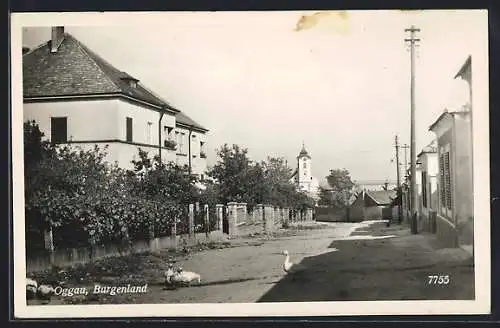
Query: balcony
(170, 144)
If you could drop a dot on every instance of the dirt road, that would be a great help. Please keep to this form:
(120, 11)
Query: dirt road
(341, 264)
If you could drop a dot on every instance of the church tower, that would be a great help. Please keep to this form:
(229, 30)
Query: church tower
(304, 173)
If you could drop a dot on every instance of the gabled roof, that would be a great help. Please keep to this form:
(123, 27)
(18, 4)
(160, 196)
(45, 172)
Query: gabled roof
(381, 197)
(373, 182)
(465, 71)
(75, 70)
(445, 114)
(186, 120)
(431, 148)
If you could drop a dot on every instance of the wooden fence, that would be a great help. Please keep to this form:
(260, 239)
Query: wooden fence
(201, 224)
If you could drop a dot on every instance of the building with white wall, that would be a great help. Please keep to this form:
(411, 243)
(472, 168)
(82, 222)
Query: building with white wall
(455, 201)
(427, 161)
(302, 176)
(78, 98)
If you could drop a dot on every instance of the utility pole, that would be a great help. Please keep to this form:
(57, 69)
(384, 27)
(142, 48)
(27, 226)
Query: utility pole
(413, 154)
(406, 147)
(400, 192)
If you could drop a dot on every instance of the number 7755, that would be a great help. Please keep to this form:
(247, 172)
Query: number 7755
(438, 279)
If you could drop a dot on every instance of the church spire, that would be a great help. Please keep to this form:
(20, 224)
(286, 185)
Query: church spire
(303, 152)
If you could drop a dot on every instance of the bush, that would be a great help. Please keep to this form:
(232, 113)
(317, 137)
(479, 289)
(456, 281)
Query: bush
(79, 195)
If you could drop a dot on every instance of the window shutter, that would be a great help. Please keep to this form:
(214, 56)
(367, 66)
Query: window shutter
(129, 129)
(58, 129)
(442, 182)
(424, 188)
(448, 181)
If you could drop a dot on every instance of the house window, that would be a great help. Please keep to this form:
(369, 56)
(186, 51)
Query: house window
(180, 137)
(129, 129)
(167, 131)
(305, 165)
(424, 188)
(150, 133)
(59, 129)
(445, 180)
(202, 150)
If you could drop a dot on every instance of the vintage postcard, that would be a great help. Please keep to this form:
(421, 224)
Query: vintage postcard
(281, 163)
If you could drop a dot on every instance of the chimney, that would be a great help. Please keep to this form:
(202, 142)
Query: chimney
(25, 50)
(57, 38)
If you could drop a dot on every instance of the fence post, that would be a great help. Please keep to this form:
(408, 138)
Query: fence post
(233, 218)
(207, 220)
(259, 216)
(268, 218)
(218, 210)
(191, 220)
(286, 217)
(309, 214)
(242, 209)
(49, 244)
(173, 234)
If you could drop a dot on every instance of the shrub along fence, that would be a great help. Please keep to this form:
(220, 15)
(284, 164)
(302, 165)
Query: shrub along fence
(63, 247)
(199, 223)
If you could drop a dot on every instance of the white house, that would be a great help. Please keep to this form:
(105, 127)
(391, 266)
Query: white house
(78, 98)
(428, 197)
(453, 130)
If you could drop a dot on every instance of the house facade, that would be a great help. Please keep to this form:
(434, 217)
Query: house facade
(78, 98)
(455, 211)
(427, 185)
(371, 205)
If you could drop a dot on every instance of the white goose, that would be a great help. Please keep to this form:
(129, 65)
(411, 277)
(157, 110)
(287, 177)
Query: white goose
(290, 267)
(185, 277)
(31, 288)
(45, 292)
(168, 274)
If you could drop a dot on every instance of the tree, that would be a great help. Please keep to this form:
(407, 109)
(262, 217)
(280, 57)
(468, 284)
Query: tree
(325, 197)
(238, 179)
(76, 193)
(163, 181)
(341, 187)
(281, 191)
(233, 174)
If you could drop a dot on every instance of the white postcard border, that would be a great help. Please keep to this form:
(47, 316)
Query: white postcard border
(481, 305)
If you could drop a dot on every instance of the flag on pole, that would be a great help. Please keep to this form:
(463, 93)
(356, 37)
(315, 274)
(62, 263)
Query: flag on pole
(330, 20)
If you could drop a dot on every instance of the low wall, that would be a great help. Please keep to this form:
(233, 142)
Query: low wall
(446, 232)
(373, 213)
(465, 231)
(68, 257)
(331, 214)
(427, 221)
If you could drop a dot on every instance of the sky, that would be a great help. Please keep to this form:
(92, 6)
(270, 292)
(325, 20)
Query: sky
(341, 86)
